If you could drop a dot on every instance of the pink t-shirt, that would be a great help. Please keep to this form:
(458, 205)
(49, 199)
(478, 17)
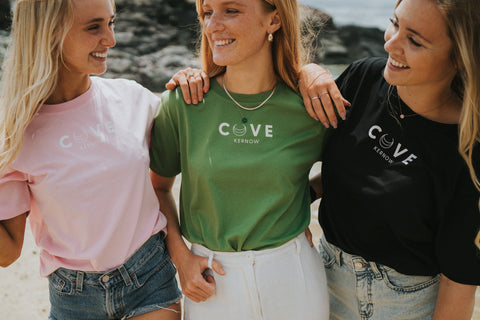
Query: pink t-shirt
(83, 173)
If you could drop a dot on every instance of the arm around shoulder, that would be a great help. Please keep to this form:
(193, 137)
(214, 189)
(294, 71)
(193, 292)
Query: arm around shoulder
(12, 232)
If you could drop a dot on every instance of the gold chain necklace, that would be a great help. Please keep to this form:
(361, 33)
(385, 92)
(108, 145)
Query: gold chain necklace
(244, 119)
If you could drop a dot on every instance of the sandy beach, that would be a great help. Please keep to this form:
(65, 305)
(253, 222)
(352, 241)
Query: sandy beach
(24, 294)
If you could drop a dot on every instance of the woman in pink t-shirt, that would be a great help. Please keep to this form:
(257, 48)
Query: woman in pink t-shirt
(74, 158)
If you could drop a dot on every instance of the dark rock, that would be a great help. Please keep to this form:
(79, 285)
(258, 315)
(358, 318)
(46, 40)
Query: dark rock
(5, 14)
(156, 38)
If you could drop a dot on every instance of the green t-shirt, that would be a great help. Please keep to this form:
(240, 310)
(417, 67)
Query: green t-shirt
(244, 185)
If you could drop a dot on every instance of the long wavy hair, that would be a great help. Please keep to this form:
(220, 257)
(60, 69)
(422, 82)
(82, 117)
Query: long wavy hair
(30, 67)
(463, 23)
(287, 49)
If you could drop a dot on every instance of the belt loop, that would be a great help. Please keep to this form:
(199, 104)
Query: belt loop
(338, 256)
(80, 275)
(125, 275)
(210, 260)
(378, 274)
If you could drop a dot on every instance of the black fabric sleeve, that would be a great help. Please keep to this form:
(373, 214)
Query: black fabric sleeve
(458, 256)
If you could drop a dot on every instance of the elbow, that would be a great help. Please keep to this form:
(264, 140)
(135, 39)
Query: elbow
(6, 261)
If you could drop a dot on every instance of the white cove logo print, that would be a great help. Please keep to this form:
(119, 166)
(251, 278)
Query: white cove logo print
(246, 134)
(387, 149)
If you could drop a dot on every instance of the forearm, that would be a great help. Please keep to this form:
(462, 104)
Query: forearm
(163, 189)
(11, 239)
(175, 243)
(316, 185)
(455, 301)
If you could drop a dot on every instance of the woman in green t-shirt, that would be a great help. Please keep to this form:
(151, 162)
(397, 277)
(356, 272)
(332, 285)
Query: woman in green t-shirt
(244, 154)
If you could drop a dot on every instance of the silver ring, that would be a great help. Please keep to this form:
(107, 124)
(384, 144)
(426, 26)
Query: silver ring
(321, 94)
(190, 74)
(315, 98)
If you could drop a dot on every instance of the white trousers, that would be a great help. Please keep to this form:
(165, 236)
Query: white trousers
(283, 283)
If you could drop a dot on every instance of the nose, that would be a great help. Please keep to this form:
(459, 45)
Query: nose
(213, 23)
(391, 40)
(108, 39)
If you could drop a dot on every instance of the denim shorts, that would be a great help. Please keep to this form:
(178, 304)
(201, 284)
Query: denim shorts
(365, 290)
(145, 283)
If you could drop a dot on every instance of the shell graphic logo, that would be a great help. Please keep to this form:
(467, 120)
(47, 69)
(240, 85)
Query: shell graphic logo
(384, 143)
(239, 130)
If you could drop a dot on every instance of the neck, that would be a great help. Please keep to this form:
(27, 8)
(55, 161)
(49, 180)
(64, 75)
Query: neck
(68, 88)
(439, 104)
(251, 79)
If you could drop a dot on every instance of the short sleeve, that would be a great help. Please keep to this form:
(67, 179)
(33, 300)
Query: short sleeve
(164, 147)
(459, 257)
(14, 194)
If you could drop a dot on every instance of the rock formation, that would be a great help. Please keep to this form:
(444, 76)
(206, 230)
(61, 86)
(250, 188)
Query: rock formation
(156, 38)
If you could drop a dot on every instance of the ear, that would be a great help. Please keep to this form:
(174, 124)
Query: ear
(275, 22)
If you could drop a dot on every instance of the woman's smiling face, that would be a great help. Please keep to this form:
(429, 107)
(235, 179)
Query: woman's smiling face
(418, 45)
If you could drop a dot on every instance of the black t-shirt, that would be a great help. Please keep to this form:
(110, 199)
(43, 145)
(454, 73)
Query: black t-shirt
(396, 191)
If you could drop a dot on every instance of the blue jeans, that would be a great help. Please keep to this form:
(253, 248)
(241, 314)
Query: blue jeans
(364, 290)
(146, 282)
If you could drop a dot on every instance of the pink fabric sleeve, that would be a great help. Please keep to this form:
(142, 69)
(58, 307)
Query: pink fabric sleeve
(14, 195)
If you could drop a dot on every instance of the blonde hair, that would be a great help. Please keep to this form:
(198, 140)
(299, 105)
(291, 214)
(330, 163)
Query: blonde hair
(287, 49)
(463, 23)
(463, 20)
(30, 68)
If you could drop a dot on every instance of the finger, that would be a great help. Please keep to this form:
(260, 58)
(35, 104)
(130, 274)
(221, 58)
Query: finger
(329, 109)
(199, 83)
(209, 278)
(217, 267)
(185, 89)
(171, 85)
(195, 296)
(194, 87)
(339, 103)
(309, 107)
(200, 288)
(309, 236)
(206, 81)
(320, 113)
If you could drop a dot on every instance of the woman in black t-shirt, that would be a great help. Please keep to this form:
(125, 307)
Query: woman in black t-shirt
(399, 210)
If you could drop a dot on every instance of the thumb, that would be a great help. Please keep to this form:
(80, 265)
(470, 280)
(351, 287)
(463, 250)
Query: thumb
(217, 267)
(171, 85)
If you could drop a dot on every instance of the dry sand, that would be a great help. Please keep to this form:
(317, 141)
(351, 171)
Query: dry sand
(24, 294)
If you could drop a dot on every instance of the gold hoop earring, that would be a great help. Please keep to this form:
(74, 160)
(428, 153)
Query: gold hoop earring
(270, 37)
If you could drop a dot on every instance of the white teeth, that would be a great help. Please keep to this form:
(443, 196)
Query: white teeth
(397, 64)
(99, 55)
(222, 42)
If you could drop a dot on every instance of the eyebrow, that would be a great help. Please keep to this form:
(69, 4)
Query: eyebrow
(414, 31)
(99, 20)
(228, 3)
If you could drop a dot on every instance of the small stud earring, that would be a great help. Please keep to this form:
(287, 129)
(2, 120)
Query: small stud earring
(270, 37)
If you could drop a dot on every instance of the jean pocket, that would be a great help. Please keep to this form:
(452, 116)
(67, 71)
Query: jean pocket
(160, 266)
(407, 283)
(327, 253)
(60, 284)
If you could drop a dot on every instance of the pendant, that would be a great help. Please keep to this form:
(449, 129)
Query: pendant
(402, 116)
(244, 120)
